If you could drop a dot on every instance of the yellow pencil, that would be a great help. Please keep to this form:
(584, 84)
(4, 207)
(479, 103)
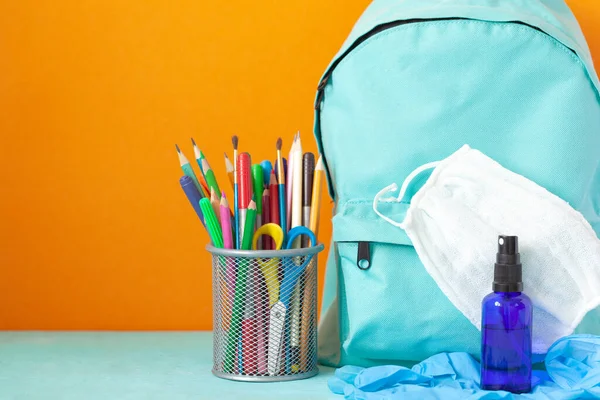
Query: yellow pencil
(229, 169)
(315, 204)
(309, 303)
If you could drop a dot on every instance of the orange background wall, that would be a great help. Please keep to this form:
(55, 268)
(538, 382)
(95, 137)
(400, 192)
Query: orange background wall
(95, 232)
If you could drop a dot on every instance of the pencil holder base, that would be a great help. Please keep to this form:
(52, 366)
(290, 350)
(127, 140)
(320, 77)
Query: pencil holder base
(265, 379)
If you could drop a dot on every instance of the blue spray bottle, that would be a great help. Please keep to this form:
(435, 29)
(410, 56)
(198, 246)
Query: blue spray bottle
(506, 325)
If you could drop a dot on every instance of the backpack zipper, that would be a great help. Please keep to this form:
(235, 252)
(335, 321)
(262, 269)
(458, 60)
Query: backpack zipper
(378, 29)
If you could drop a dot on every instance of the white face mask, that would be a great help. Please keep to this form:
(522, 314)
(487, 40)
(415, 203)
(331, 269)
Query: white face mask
(454, 221)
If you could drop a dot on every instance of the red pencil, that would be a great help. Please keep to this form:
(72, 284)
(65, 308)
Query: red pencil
(244, 189)
(274, 199)
(267, 241)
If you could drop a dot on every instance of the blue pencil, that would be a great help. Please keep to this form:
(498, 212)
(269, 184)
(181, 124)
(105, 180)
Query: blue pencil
(281, 181)
(234, 141)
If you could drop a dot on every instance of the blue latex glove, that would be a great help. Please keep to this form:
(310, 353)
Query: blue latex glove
(573, 365)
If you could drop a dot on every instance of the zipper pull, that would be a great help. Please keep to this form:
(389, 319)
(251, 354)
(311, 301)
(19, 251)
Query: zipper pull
(363, 260)
(321, 91)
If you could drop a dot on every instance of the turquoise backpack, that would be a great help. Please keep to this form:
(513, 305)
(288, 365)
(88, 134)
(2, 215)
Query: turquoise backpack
(415, 81)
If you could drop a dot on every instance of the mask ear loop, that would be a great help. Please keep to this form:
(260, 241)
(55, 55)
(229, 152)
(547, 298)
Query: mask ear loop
(393, 187)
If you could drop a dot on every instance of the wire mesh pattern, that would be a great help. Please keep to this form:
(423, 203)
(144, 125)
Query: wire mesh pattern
(265, 315)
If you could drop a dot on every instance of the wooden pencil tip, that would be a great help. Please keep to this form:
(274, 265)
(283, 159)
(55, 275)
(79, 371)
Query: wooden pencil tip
(205, 165)
(193, 142)
(252, 205)
(320, 165)
(177, 147)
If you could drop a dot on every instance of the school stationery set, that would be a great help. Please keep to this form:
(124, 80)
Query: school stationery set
(461, 144)
(264, 260)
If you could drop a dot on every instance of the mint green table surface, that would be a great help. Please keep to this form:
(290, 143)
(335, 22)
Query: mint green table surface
(112, 366)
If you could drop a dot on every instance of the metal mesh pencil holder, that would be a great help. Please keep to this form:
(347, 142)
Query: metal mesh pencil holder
(265, 314)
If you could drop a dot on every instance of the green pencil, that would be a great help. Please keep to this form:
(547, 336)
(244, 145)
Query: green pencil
(187, 169)
(240, 291)
(249, 226)
(212, 223)
(209, 176)
(199, 156)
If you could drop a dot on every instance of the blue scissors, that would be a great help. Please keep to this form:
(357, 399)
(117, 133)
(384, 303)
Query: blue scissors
(278, 312)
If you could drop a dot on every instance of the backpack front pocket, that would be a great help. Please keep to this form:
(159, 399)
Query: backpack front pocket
(390, 309)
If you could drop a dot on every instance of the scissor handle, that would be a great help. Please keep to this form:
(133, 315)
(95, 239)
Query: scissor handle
(272, 230)
(298, 231)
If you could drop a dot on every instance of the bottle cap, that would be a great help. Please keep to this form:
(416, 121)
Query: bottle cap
(508, 271)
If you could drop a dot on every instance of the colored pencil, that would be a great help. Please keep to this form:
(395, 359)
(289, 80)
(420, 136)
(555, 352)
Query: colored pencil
(209, 175)
(289, 182)
(215, 202)
(235, 142)
(308, 172)
(274, 199)
(315, 204)
(261, 300)
(309, 300)
(281, 181)
(267, 168)
(230, 170)
(295, 173)
(267, 243)
(187, 168)
(296, 178)
(225, 214)
(257, 189)
(199, 156)
(212, 224)
(233, 335)
(249, 226)
(244, 190)
(249, 332)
